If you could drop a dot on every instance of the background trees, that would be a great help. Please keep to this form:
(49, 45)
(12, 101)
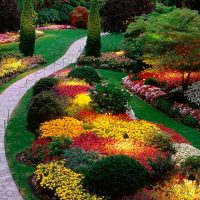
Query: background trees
(117, 14)
(9, 16)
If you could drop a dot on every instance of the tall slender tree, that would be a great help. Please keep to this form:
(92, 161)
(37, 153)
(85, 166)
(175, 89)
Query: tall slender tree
(93, 45)
(27, 28)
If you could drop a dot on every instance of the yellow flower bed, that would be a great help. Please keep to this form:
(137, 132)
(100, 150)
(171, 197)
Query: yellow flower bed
(75, 82)
(10, 66)
(67, 126)
(79, 103)
(108, 126)
(66, 183)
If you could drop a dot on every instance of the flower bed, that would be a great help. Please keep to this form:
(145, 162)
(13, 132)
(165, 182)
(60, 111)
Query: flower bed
(110, 60)
(151, 94)
(56, 27)
(68, 147)
(169, 78)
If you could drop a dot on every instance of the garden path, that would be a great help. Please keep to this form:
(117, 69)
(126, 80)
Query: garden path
(9, 100)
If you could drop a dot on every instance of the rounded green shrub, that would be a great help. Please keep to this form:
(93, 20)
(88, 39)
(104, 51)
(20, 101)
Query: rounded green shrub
(87, 73)
(163, 104)
(109, 99)
(116, 176)
(192, 162)
(27, 28)
(45, 106)
(151, 81)
(44, 84)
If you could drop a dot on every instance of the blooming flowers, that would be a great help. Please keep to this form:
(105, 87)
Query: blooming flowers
(66, 183)
(55, 27)
(66, 126)
(148, 92)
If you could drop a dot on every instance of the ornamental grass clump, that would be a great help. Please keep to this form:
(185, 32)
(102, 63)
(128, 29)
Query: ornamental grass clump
(115, 176)
(109, 99)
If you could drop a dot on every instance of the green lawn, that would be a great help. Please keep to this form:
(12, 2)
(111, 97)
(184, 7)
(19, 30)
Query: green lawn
(52, 46)
(18, 138)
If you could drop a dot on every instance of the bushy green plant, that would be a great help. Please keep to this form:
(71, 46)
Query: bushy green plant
(58, 144)
(115, 176)
(163, 104)
(163, 142)
(190, 120)
(161, 168)
(107, 98)
(174, 113)
(44, 84)
(27, 28)
(89, 74)
(80, 160)
(51, 15)
(151, 81)
(93, 44)
(45, 106)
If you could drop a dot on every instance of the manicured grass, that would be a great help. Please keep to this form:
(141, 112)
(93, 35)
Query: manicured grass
(52, 46)
(111, 42)
(145, 111)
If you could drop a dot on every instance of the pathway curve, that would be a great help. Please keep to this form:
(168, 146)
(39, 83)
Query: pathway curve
(8, 101)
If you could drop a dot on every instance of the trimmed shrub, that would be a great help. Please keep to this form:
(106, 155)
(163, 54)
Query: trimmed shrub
(115, 176)
(45, 106)
(117, 14)
(79, 17)
(109, 99)
(89, 74)
(151, 81)
(93, 44)
(163, 104)
(80, 160)
(27, 29)
(192, 163)
(44, 84)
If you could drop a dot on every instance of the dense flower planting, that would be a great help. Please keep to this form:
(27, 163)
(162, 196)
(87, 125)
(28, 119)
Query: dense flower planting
(55, 27)
(176, 188)
(66, 183)
(170, 78)
(110, 60)
(66, 126)
(12, 65)
(83, 129)
(148, 92)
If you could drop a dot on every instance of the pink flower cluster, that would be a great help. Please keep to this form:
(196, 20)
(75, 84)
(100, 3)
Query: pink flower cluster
(8, 37)
(36, 59)
(185, 109)
(148, 92)
(55, 27)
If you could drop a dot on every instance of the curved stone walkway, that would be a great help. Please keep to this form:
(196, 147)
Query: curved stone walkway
(8, 101)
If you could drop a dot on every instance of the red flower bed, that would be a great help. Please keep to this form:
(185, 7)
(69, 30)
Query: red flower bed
(71, 90)
(171, 78)
(107, 146)
(55, 27)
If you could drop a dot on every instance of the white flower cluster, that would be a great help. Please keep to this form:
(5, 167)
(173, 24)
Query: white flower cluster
(193, 93)
(130, 113)
(184, 151)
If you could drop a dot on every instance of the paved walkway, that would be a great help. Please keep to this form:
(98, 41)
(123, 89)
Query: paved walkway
(8, 101)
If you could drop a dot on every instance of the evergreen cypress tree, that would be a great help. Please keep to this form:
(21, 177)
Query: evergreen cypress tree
(27, 28)
(93, 45)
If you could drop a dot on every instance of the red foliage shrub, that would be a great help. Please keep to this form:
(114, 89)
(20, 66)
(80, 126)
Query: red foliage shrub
(79, 17)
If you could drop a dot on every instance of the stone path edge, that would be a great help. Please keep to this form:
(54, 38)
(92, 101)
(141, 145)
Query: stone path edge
(9, 100)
